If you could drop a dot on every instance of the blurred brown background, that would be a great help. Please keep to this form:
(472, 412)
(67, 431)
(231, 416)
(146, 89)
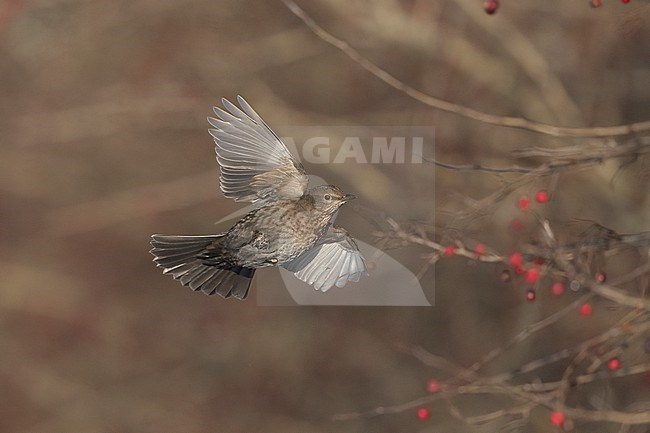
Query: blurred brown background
(104, 142)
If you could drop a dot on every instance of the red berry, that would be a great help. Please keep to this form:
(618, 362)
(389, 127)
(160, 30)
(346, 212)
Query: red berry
(601, 277)
(542, 196)
(625, 1)
(424, 413)
(596, 3)
(557, 418)
(433, 386)
(558, 288)
(516, 260)
(530, 295)
(479, 250)
(516, 225)
(491, 6)
(614, 364)
(585, 309)
(532, 275)
(523, 203)
(449, 251)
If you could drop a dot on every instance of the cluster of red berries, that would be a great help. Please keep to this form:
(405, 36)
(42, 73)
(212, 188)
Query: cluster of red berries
(433, 386)
(541, 197)
(557, 417)
(530, 272)
(532, 275)
(524, 202)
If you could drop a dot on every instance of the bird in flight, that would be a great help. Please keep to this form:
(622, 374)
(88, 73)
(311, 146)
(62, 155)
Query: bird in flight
(290, 226)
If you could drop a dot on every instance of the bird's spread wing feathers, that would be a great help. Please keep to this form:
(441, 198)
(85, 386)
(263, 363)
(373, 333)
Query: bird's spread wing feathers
(255, 163)
(333, 261)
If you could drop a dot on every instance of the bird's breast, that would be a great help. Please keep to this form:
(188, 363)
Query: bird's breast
(276, 233)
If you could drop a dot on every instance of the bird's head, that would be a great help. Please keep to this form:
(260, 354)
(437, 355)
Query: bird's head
(328, 198)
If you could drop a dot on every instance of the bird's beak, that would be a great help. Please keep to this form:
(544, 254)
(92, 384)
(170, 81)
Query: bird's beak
(348, 197)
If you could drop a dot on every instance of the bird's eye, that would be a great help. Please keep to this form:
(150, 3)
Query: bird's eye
(328, 197)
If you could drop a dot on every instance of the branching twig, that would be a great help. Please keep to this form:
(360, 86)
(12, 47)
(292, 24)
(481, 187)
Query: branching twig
(470, 113)
(534, 394)
(555, 165)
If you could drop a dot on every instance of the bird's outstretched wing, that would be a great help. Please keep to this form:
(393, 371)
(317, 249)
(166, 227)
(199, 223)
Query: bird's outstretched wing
(334, 260)
(255, 164)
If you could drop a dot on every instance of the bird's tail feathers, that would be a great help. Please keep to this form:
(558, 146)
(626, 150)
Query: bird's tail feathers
(180, 256)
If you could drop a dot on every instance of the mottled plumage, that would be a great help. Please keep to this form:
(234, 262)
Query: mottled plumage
(290, 226)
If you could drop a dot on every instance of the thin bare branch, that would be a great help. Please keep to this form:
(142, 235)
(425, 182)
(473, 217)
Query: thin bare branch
(557, 164)
(450, 107)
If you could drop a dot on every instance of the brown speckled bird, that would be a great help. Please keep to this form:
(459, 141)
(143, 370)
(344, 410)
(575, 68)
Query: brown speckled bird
(291, 225)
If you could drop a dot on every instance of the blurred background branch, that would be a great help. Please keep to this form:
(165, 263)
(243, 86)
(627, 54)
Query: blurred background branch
(104, 142)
